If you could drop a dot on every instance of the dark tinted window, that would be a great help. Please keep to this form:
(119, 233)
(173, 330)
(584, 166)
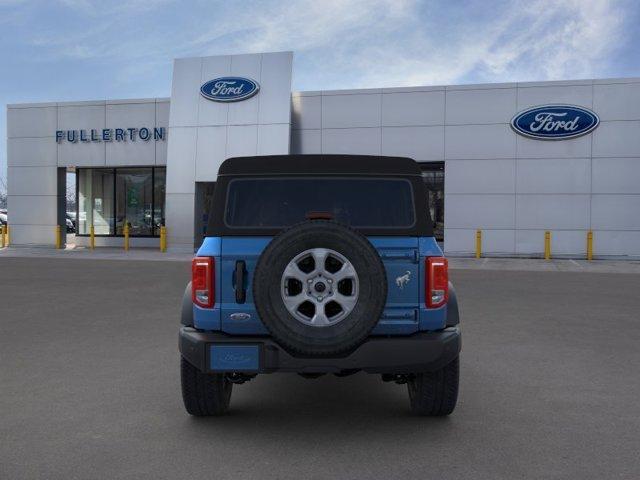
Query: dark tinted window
(359, 202)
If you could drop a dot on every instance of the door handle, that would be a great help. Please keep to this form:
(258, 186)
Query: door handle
(239, 277)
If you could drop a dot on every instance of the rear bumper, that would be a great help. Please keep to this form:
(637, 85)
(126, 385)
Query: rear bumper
(420, 352)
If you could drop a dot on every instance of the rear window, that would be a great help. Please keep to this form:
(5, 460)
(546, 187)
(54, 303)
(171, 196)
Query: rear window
(359, 202)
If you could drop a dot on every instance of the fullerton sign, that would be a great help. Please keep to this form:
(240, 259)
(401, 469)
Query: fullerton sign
(111, 135)
(555, 122)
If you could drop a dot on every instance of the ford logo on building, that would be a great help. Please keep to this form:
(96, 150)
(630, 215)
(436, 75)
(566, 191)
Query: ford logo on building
(229, 89)
(555, 122)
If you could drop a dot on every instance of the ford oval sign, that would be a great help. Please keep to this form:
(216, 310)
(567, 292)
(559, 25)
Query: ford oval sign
(555, 122)
(229, 89)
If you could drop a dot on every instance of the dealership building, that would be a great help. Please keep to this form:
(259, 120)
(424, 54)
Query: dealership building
(513, 160)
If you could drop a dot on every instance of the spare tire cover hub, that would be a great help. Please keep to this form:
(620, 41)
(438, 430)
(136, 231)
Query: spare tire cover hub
(319, 287)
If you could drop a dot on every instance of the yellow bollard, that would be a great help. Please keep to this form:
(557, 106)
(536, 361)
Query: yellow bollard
(92, 237)
(589, 245)
(478, 243)
(7, 234)
(58, 237)
(1, 236)
(126, 237)
(163, 239)
(547, 245)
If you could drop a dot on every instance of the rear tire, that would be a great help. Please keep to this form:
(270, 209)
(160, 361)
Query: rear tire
(435, 394)
(204, 394)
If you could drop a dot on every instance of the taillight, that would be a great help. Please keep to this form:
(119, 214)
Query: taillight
(202, 284)
(437, 281)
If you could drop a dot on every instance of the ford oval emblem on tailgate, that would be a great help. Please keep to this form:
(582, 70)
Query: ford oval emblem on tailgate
(239, 316)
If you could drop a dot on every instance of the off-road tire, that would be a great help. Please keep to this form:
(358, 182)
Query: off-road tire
(204, 394)
(435, 394)
(352, 330)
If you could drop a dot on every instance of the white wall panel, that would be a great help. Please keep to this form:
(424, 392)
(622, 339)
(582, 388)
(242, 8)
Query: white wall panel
(273, 139)
(616, 243)
(33, 210)
(306, 112)
(275, 88)
(550, 212)
(181, 172)
(542, 95)
(459, 240)
(242, 140)
(81, 154)
(362, 141)
(563, 242)
(479, 141)
(211, 152)
(351, 111)
(162, 120)
(617, 139)
(615, 212)
(479, 211)
(480, 106)
(486, 176)
(32, 181)
(32, 152)
(419, 143)
(616, 175)
(246, 111)
(571, 148)
(306, 141)
(36, 235)
(76, 117)
(563, 175)
(617, 102)
(413, 108)
(180, 211)
(208, 112)
(185, 92)
(32, 122)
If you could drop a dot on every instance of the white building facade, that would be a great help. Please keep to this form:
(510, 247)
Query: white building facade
(152, 162)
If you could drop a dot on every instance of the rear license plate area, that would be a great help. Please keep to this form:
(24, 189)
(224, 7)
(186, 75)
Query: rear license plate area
(224, 357)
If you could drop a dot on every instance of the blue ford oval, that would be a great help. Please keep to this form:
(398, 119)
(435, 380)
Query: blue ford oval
(555, 122)
(229, 89)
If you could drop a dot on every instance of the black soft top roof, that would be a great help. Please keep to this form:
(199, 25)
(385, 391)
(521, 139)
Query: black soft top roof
(319, 165)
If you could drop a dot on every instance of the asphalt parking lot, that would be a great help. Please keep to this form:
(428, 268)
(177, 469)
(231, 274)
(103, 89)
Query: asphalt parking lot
(89, 386)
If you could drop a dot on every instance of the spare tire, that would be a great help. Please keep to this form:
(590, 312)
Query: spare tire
(319, 288)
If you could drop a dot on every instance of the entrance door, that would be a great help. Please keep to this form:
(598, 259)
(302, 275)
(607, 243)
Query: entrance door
(433, 175)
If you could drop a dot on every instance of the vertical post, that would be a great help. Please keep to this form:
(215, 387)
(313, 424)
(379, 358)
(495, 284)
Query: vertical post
(7, 235)
(163, 239)
(2, 242)
(58, 237)
(547, 245)
(126, 236)
(92, 237)
(589, 245)
(478, 243)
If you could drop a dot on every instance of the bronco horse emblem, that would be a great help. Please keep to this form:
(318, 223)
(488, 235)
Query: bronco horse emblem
(402, 280)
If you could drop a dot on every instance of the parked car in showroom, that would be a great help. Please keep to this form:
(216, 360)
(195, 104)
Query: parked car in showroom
(318, 264)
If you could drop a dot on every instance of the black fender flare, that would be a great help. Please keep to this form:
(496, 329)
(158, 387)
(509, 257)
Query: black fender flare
(453, 312)
(186, 314)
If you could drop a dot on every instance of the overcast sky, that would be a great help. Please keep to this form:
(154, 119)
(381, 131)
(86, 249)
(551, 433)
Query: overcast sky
(97, 49)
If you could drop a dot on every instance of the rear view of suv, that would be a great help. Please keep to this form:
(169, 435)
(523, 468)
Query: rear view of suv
(318, 264)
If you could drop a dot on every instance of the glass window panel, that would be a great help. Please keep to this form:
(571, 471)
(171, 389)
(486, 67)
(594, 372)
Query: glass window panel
(134, 197)
(159, 183)
(359, 202)
(95, 201)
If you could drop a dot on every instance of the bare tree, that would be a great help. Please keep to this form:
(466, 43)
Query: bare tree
(3, 193)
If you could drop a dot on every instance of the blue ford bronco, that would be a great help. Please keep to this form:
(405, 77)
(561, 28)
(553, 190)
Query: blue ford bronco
(318, 264)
